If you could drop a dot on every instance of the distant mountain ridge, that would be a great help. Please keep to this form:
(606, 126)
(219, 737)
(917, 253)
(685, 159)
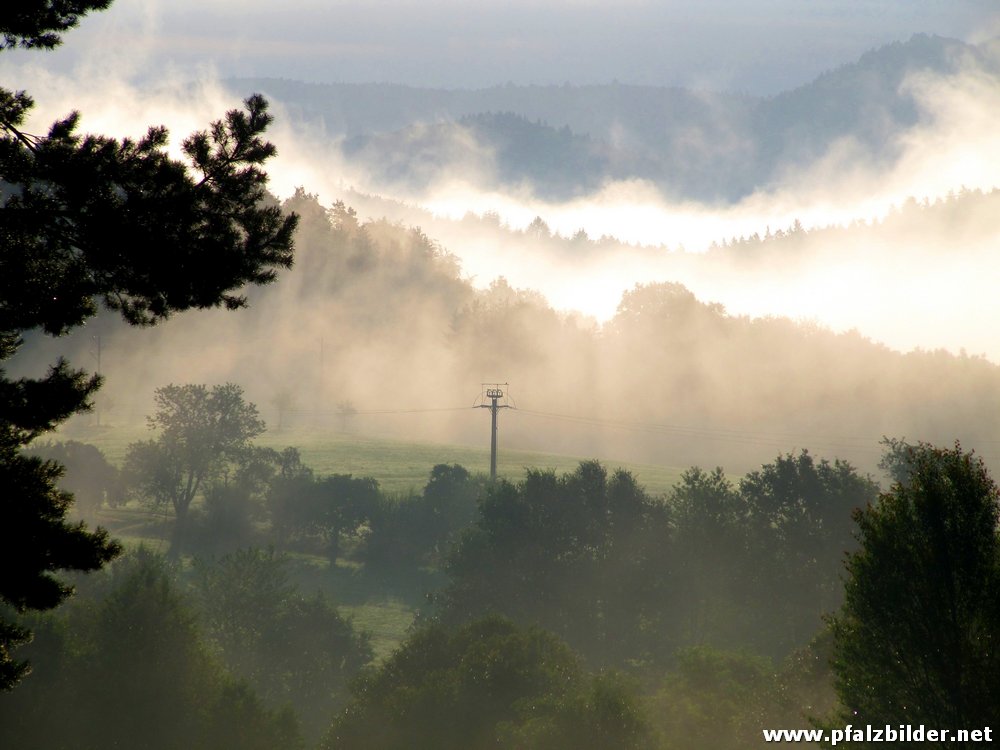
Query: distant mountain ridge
(692, 144)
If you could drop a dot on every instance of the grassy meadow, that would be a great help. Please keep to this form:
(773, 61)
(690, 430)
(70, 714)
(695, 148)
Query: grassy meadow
(399, 466)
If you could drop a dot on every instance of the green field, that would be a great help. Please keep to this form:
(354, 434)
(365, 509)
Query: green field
(399, 466)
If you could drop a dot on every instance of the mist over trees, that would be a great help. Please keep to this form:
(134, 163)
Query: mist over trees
(488, 684)
(142, 659)
(251, 598)
(293, 650)
(566, 140)
(384, 299)
(569, 609)
(254, 661)
(626, 578)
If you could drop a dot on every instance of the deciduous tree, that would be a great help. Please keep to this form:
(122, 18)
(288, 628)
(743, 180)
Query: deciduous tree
(125, 665)
(917, 640)
(583, 555)
(293, 649)
(799, 524)
(200, 431)
(487, 684)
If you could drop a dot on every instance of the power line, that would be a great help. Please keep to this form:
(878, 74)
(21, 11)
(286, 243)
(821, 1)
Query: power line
(745, 437)
(720, 433)
(777, 439)
(352, 412)
(773, 438)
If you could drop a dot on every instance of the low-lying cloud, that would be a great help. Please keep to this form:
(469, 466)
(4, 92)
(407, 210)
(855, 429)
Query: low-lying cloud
(395, 325)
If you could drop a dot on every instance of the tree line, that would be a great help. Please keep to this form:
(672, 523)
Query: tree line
(711, 612)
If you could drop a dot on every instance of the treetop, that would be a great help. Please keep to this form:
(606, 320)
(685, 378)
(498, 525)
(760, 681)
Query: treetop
(39, 24)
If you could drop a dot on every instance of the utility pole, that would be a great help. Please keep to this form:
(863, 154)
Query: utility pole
(494, 392)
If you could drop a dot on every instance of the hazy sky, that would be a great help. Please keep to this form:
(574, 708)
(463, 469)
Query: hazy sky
(759, 46)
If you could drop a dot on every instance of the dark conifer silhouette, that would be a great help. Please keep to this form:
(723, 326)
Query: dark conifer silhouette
(86, 220)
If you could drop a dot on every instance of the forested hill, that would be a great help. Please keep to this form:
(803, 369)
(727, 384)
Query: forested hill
(868, 100)
(506, 146)
(696, 144)
(378, 316)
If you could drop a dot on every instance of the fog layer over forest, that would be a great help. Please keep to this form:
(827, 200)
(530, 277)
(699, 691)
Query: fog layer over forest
(771, 305)
(804, 270)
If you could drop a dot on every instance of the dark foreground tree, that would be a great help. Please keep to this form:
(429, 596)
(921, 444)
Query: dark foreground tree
(918, 638)
(38, 23)
(91, 220)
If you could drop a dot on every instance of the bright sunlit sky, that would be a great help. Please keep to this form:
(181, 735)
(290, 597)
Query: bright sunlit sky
(758, 46)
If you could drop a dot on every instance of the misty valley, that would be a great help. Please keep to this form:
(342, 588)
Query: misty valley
(742, 342)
